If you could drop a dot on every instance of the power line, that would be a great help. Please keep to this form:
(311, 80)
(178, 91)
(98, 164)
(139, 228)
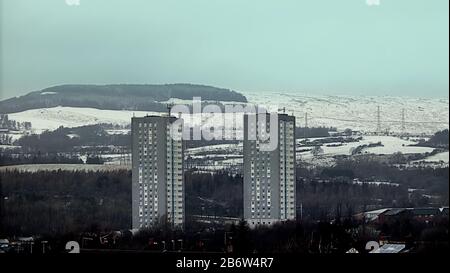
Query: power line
(378, 119)
(306, 119)
(382, 121)
(403, 121)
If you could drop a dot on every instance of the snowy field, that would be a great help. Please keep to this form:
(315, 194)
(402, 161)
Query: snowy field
(116, 159)
(422, 115)
(441, 157)
(52, 118)
(8, 147)
(390, 144)
(229, 148)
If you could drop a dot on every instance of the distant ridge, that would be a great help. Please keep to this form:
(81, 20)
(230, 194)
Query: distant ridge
(139, 97)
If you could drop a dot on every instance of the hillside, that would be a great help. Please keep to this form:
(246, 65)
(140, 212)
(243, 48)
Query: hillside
(116, 97)
(422, 115)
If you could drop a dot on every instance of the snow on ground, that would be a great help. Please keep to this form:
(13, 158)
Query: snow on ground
(118, 131)
(7, 147)
(48, 93)
(344, 149)
(422, 115)
(376, 183)
(116, 159)
(394, 144)
(15, 136)
(177, 101)
(111, 159)
(83, 158)
(390, 144)
(438, 158)
(52, 118)
(232, 161)
(215, 148)
(73, 136)
(324, 161)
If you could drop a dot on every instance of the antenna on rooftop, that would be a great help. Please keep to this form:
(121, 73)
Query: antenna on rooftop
(169, 107)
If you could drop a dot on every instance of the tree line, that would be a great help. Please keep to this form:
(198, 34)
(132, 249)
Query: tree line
(6, 123)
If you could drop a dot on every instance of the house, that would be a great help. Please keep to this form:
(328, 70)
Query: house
(390, 249)
(392, 215)
(389, 215)
(373, 216)
(444, 212)
(425, 214)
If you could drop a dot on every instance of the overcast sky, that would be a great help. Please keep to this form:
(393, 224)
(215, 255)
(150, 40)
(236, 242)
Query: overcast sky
(399, 47)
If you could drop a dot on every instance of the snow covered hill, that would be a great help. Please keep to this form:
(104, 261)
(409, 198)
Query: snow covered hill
(389, 145)
(422, 116)
(52, 118)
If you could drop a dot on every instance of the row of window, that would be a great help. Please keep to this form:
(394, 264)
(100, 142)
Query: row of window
(260, 215)
(261, 222)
